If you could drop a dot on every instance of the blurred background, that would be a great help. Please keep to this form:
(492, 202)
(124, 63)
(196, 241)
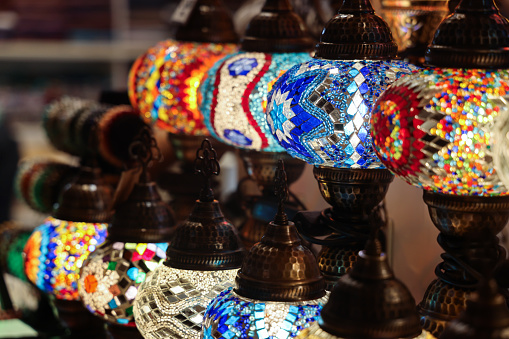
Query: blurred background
(52, 48)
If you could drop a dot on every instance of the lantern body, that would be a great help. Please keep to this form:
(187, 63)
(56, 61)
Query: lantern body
(319, 111)
(316, 332)
(163, 83)
(171, 302)
(434, 129)
(230, 315)
(111, 276)
(234, 97)
(55, 252)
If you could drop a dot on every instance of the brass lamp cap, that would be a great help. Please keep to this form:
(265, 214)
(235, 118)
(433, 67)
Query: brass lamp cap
(356, 32)
(277, 29)
(474, 36)
(369, 302)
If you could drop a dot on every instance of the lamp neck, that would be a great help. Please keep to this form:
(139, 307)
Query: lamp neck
(356, 6)
(485, 6)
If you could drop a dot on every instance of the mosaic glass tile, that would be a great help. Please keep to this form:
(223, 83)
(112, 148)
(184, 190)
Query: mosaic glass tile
(434, 129)
(319, 111)
(55, 252)
(231, 316)
(110, 278)
(171, 302)
(234, 97)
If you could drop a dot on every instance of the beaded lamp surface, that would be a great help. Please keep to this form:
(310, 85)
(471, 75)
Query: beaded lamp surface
(56, 251)
(235, 97)
(319, 111)
(163, 83)
(434, 129)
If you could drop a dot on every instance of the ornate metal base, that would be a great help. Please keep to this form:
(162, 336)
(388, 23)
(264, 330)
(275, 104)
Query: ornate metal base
(81, 323)
(261, 168)
(123, 332)
(353, 194)
(468, 226)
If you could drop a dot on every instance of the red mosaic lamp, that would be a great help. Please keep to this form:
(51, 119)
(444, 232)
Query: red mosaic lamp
(435, 130)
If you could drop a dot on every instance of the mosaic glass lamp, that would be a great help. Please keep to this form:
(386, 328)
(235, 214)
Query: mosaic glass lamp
(435, 129)
(163, 86)
(369, 303)
(203, 258)
(279, 290)
(136, 244)
(56, 250)
(319, 111)
(234, 99)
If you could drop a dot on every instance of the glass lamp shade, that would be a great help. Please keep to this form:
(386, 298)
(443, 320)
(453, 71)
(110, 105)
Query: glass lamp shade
(434, 129)
(111, 276)
(316, 332)
(230, 315)
(171, 302)
(55, 253)
(163, 83)
(319, 111)
(234, 97)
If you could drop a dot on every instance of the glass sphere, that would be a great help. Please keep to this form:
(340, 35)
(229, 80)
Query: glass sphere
(230, 315)
(316, 332)
(171, 302)
(55, 252)
(319, 111)
(434, 129)
(111, 276)
(163, 83)
(234, 97)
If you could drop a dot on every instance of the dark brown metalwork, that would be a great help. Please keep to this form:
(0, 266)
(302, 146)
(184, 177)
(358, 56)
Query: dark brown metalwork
(85, 199)
(476, 35)
(369, 302)
(143, 216)
(277, 29)
(81, 323)
(413, 24)
(486, 316)
(468, 226)
(261, 167)
(209, 21)
(354, 195)
(279, 268)
(206, 240)
(356, 32)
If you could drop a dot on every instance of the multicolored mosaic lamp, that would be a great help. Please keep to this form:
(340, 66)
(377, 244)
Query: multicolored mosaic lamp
(279, 290)
(203, 258)
(319, 111)
(136, 244)
(369, 303)
(435, 129)
(56, 250)
(163, 86)
(234, 99)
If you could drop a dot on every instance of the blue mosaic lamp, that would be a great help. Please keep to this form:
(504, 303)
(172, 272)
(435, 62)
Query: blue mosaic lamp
(319, 111)
(279, 290)
(234, 98)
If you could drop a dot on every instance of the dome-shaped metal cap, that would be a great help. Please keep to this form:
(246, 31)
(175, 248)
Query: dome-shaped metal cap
(143, 217)
(474, 36)
(279, 268)
(356, 32)
(85, 199)
(209, 21)
(486, 316)
(205, 241)
(369, 302)
(277, 29)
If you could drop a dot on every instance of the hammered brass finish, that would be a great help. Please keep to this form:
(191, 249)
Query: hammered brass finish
(441, 303)
(334, 262)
